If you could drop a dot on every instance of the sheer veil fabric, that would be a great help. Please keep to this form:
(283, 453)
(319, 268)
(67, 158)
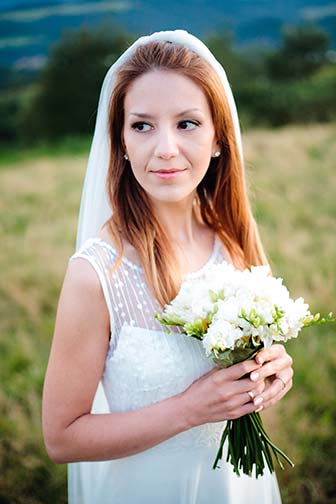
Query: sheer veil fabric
(83, 477)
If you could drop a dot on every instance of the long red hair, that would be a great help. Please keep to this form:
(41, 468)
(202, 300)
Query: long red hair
(222, 201)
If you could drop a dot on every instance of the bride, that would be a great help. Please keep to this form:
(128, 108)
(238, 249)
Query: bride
(136, 413)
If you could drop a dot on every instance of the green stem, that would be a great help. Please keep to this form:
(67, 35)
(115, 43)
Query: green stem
(256, 419)
(249, 446)
(220, 449)
(258, 450)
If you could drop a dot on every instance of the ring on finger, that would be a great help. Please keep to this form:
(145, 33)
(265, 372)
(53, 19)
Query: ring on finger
(283, 382)
(251, 395)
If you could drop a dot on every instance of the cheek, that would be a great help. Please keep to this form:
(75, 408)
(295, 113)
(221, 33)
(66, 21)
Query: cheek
(202, 155)
(203, 145)
(138, 171)
(138, 152)
(130, 145)
(131, 140)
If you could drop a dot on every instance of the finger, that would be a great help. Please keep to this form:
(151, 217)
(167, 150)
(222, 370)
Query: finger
(270, 353)
(247, 385)
(252, 394)
(242, 410)
(237, 401)
(272, 393)
(273, 400)
(271, 368)
(237, 371)
(241, 399)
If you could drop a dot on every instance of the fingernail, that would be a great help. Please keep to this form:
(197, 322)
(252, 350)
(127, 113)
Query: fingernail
(260, 360)
(259, 409)
(259, 400)
(254, 376)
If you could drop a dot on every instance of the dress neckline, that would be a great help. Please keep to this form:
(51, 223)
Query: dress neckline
(137, 267)
(210, 260)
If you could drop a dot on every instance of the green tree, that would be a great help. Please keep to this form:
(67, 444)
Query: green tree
(237, 64)
(70, 83)
(302, 53)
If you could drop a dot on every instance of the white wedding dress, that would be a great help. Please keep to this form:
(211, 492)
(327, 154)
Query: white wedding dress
(144, 365)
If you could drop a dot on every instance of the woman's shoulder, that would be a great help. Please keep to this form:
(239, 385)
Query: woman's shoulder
(81, 276)
(89, 265)
(102, 252)
(86, 279)
(93, 247)
(81, 290)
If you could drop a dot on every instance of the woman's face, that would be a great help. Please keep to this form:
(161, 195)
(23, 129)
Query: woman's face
(168, 133)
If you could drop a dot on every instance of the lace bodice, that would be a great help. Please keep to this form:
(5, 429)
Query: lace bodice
(144, 364)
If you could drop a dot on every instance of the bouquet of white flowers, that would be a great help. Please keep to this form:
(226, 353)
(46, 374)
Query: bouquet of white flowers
(235, 314)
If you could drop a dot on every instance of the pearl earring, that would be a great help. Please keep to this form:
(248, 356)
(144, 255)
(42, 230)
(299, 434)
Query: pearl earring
(217, 153)
(126, 157)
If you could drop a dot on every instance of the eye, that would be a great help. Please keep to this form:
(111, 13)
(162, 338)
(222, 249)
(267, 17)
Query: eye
(141, 126)
(188, 124)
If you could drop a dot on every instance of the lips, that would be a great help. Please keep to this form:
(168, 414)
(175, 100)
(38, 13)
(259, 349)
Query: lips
(171, 170)
(168, 174)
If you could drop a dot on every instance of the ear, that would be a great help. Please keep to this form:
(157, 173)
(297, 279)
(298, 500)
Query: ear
(216, 149)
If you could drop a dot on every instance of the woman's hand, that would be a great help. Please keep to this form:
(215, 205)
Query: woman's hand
(277, 373)
(226, 394)
(222, 394)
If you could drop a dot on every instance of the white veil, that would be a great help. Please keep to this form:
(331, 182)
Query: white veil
(85, 477)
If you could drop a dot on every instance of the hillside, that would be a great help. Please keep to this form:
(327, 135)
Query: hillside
(28, 28)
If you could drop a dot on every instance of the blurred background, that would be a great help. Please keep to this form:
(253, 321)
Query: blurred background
(280, 58)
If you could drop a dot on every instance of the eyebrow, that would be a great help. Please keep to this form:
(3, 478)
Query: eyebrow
(180, 114)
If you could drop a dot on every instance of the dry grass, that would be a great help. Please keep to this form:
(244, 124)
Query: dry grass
(292, 176)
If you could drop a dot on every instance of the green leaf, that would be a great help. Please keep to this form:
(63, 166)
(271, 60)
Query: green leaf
(197, 329)
(213, 296)
(229, 357)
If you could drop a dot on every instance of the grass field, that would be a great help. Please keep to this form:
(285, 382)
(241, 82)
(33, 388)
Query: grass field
(292, 179)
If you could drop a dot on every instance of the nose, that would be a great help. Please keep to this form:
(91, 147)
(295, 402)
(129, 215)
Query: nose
(166, 144)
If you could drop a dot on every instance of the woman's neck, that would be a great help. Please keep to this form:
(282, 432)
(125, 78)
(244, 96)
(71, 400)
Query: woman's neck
(179, 221)
(192, 239)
